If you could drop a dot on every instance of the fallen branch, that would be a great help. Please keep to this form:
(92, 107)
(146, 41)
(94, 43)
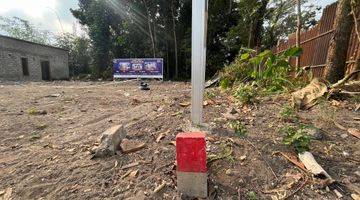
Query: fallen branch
(344, 80)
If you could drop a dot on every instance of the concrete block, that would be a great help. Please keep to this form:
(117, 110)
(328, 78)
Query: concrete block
(191, 164)
(192, 184)
(110, 141)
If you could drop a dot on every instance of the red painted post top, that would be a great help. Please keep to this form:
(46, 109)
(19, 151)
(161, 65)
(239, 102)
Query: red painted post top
(191, 152)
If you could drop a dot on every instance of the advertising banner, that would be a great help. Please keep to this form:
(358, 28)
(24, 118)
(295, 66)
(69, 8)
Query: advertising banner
(138, 68)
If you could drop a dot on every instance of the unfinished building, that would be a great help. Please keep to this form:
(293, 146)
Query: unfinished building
(22, 60)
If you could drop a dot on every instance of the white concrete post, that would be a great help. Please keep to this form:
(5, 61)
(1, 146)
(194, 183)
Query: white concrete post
(198, 58)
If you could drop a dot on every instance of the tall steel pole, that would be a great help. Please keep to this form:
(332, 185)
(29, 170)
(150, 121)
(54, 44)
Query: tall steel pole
(198, 58)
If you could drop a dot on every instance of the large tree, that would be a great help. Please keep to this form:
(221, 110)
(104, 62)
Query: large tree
(97, 17)
(336, 60)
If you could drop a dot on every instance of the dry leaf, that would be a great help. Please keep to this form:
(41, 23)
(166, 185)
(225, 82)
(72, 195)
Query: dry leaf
(355, 132)
(208, 102)
(134, 173)
(185, 104)
(293, 159)
(161, 136)
(173, 143)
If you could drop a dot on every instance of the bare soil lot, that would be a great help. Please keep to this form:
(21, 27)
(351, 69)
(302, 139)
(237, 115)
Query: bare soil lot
(48, 129)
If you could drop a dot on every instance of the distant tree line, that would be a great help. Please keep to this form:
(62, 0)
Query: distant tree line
(162, 28)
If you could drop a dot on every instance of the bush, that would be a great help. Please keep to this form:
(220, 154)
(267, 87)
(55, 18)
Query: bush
(296, 137)
(268, 71)
(246, 94)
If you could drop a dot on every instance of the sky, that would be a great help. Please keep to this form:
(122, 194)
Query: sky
(43, 13)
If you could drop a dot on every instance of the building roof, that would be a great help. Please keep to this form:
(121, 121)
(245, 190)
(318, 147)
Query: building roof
(44, 45)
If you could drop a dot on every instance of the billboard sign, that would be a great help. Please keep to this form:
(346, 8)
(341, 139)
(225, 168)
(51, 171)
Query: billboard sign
(138, 68)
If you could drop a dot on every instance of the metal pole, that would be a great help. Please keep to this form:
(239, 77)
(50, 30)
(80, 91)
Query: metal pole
(198, 58)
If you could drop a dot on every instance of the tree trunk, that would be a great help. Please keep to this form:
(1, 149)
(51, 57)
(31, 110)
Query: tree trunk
(337, 53)
(298, 32)
(175, 41)
(256, 30)
(355, 10)
(150, 30)
(167, 61)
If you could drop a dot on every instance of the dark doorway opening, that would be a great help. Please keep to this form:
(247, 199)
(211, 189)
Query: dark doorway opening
(25, 66)
(45, 70)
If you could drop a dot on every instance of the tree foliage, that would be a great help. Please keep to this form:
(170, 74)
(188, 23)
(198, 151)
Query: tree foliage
(23, 29)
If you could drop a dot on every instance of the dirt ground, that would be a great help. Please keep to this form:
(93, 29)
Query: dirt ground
(48, 129)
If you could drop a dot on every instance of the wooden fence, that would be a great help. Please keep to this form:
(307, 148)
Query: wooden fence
(315, 44)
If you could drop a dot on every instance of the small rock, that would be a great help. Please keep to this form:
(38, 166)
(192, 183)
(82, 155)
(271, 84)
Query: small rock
(338, 194)
(357, 173)
(242, 158)
(327, 189)
(343, 136)
(110, 141)
(228, 172)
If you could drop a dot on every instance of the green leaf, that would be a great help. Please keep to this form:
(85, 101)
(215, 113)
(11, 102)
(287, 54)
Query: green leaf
(293, 52)
(245, 56)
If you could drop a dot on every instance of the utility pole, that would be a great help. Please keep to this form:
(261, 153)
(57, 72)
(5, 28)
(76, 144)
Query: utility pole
(298, 31)
(198, 58)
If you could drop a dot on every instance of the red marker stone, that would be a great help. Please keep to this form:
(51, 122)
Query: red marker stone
(191, 164)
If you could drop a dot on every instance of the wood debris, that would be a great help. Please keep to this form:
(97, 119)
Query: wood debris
(130, 165)
(161, 136)
(128, 146)
(160, 187)
(340, 126)
(355, 132)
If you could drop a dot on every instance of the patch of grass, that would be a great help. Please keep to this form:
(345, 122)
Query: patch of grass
(246, 94)
(238, 127)
(41, 127)
(210, 95)
(226, 152)
(288, 113)
(34, 136)
(296, 137)
(225, 83)
(251, 195)
(33, 111)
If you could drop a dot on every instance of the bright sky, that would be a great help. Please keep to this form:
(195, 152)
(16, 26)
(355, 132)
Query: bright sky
(43, 12)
